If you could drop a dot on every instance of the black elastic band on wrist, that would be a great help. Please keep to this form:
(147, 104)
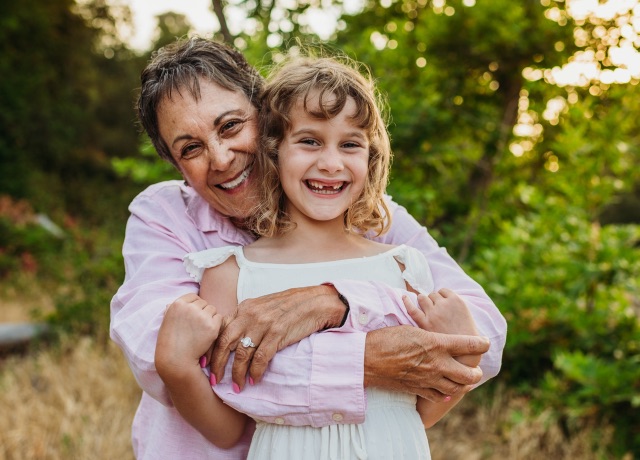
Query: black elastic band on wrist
(342, 299)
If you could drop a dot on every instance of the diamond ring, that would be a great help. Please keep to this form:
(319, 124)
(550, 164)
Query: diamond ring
(247, 342)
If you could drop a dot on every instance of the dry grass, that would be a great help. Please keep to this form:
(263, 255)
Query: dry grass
(76, 401)
(22, 298)
(506, 428)
(72, 402)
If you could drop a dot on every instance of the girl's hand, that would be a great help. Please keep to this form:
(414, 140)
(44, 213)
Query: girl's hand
(442, 311)
(188, 331)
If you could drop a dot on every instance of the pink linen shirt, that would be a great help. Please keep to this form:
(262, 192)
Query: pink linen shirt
(169, 220)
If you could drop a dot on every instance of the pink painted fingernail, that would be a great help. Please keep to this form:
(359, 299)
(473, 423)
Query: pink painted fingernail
(250, 380)
(212, 379)
(236, 388)
(447, 399)
(203, 361)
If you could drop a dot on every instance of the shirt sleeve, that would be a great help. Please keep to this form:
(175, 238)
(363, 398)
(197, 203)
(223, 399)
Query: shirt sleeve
(154, 277)
(447, 273)
(336, 391)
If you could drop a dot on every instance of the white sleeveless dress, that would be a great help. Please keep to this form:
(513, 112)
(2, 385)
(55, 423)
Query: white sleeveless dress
(392, 428)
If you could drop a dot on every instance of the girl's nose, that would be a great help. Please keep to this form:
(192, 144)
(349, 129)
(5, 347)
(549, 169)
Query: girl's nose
(330, 161)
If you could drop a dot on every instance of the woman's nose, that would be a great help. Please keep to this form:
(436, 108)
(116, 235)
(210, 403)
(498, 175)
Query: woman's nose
(220, 158)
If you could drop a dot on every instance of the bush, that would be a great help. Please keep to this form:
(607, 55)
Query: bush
(570, 291)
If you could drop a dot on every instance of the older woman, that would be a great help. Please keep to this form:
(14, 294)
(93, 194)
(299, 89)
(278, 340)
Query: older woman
(198, 106)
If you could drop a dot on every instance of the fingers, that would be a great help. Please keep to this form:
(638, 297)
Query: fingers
(420, 315)
(224, 345)
(435, 296)
(426, 304)
(432, 395)
(261, 358)
(416, 314)
(445, 292)
(243, 359)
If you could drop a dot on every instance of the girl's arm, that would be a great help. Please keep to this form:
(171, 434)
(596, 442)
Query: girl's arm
(185, 341)
(435, 314)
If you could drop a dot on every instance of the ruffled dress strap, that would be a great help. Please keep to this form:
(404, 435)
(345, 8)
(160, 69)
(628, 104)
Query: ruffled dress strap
(416, 269)
(197, 262)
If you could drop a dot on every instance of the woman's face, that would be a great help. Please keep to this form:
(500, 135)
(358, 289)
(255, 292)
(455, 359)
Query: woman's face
(213, 143)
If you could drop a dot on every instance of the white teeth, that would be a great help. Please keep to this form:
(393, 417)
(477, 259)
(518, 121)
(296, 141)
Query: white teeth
(323, 189)
(239, 180)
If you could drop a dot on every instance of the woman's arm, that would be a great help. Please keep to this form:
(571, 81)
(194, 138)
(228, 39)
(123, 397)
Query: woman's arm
(448, 274)
(154, 244)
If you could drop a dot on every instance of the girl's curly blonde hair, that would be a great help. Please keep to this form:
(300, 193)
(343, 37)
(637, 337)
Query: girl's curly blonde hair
(334, 81)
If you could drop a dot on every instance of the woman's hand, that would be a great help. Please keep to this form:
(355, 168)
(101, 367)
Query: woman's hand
(444, 365)
(411, 360)
(188, 331)
(273, 322)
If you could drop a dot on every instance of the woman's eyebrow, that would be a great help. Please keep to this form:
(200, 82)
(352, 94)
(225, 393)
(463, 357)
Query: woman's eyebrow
(216, 122)
(219, 118)
(181, 138)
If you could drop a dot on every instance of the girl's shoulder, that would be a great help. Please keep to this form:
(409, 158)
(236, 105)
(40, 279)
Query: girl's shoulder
(416, 270)
(197, 262)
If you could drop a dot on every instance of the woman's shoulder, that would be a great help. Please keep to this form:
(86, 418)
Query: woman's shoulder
(164, 189)
(161, 198)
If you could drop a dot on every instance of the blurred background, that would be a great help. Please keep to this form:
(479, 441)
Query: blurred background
(515, 127)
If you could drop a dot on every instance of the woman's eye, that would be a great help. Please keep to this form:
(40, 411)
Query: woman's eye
(230, 125)
(189, 151)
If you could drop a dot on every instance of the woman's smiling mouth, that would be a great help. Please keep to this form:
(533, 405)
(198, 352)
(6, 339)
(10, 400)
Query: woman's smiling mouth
(238, 180)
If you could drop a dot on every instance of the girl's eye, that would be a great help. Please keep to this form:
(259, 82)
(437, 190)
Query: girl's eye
(309, 142)
(351, 145)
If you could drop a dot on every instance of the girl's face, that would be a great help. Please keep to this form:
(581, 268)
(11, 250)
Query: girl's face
(213, 142)
(323, 163)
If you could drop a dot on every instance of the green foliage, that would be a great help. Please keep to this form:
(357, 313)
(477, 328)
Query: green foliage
(90, 270)
(65, 93)
(569, 290)
(21, 244)
(145, 168)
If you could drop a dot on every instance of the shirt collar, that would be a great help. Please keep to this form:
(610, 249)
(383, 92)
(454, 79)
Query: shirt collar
(207, 219)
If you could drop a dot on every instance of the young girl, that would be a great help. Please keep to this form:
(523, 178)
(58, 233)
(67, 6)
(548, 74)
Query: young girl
(324, 170)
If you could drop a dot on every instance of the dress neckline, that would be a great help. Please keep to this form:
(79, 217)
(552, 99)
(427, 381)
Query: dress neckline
(389, 252)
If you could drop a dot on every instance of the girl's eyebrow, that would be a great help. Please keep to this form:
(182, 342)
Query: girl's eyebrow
(312, 131)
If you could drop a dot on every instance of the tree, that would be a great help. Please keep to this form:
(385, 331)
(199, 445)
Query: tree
(66, 97)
